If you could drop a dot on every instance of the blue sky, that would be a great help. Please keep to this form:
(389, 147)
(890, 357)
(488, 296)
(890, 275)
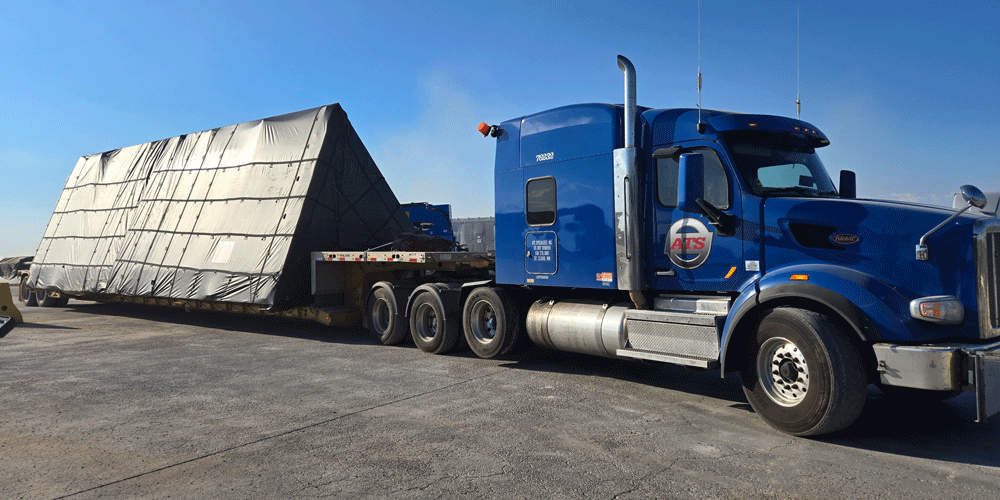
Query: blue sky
(909, 93)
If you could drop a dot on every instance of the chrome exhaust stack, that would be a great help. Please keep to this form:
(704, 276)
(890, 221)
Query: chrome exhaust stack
(629, 70)
(628, 250)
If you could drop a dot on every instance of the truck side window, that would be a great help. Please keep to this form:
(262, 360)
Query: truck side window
(716, 180)
(541, 201)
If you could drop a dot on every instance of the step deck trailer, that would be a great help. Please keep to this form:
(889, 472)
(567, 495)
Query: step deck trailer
(375, 288)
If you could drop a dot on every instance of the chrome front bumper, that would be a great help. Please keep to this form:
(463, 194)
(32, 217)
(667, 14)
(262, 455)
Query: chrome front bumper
(966, 367)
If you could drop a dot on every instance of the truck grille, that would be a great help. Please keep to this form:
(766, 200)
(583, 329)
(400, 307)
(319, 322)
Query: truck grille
(988, 277)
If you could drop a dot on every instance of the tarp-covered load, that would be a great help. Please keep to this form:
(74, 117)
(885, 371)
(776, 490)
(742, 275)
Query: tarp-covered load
(11, 265)
(229, 214)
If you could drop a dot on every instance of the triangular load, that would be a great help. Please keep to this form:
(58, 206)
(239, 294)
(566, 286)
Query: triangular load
(225, 215)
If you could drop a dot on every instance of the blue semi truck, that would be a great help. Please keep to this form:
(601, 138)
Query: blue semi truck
(713, 240)
(708, 239)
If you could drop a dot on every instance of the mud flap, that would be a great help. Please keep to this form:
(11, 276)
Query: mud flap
(987, 376)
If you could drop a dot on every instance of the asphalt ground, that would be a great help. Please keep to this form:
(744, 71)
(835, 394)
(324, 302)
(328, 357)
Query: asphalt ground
(113, 401)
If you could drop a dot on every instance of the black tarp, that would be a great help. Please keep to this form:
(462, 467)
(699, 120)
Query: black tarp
(229, 214)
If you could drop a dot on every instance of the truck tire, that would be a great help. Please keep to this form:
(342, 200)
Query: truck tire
(431, 328)
(25, 294)
(490, 322)
(804, 376)
(384, 318)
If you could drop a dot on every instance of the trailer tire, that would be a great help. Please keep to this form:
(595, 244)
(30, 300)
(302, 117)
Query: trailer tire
(43, 299)
(25, 294)
(803, 375)
(383, 316)
(490, 322)
(431, 328)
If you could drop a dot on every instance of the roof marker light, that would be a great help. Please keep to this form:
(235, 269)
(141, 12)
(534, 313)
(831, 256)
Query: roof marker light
(488, 130)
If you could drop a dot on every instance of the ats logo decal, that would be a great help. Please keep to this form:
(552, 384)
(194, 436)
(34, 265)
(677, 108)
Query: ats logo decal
(689, 243)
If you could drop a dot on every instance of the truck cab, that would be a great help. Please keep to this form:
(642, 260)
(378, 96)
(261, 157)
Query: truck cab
(716, 239)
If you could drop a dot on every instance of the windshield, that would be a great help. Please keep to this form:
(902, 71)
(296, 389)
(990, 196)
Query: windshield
(779, 165)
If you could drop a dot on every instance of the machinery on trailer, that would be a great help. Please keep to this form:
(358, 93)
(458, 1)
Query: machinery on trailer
(708, 239)
(434, 220)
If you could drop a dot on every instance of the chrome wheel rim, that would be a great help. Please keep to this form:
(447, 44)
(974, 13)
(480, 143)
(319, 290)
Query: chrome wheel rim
(782, 371)
(484, 322)
(380, 316)
(426, 322)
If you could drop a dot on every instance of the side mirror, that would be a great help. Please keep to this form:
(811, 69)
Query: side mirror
(690, 182)
(973, 196)
(848, 184)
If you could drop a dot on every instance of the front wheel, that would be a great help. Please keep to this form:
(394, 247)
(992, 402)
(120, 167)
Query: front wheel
(803, 375)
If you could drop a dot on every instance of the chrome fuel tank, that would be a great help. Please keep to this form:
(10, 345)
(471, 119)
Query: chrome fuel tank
(586, 327)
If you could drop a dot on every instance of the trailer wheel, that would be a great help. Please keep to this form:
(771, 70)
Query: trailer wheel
(24, 294)
(431, 328)
(803, 375)
(490, 322)
(385, 320)
(43, 299)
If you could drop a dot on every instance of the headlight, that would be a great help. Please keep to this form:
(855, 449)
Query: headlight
(943, 309)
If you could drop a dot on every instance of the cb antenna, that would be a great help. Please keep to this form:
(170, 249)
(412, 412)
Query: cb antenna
(701, 126)
(798, 60)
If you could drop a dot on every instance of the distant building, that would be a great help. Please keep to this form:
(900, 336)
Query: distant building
(476, 233)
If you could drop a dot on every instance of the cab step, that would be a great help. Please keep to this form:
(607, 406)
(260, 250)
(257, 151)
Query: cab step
(674, 336)
(666, 358)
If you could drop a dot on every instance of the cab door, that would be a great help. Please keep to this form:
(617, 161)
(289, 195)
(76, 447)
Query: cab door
(686, 251)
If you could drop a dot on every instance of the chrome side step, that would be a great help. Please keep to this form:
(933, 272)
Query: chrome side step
(666, 358)
(684, 338)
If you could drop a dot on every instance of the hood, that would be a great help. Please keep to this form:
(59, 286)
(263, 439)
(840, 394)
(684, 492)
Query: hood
(877, 238)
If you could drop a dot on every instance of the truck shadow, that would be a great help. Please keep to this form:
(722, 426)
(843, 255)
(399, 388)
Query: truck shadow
(940, 431)
(29, 326)
(676, 378)
(263, 325)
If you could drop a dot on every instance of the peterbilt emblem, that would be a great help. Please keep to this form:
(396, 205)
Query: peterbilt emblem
(689, 243)
(845, 238)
